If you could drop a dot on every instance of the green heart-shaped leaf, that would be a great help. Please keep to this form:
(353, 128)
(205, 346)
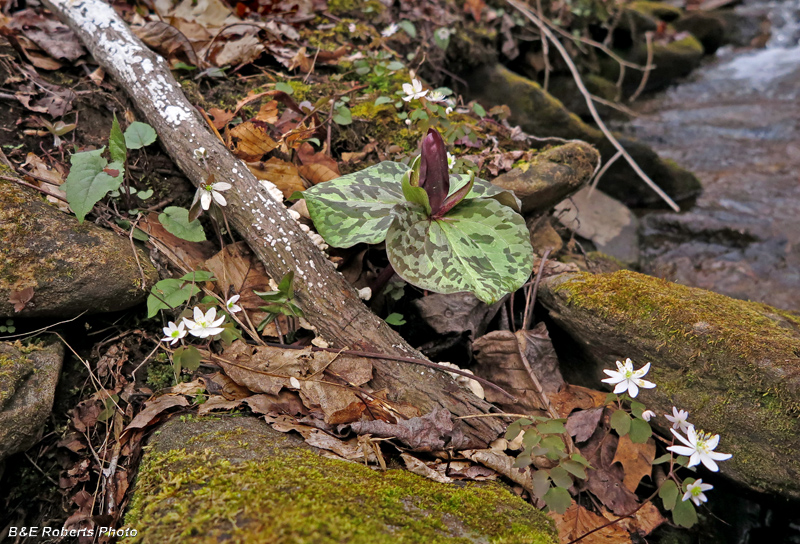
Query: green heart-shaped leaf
(481, 246)
(87, 183)
(356, 207)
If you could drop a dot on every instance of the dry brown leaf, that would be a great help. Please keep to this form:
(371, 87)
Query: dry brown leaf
(283, 174)
(434, 431)
(50, 34)
(268, 112)
(167, 40)
(153, 410)
(646, 520)
(267, 369)
(317, 173)
(419, 467)
(242, 50)
(500, 360)
(285, 402)
(577, 521)
(502, 464)
(583, 424)
(220, 118)
(636, 459)
(332, 57)
(301, 60)
(21, 298)
(218, 402)
(572, 397)
(191, 255)
(251, 141)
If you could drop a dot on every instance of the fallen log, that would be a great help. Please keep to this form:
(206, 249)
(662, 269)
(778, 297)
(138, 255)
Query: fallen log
(329, 302)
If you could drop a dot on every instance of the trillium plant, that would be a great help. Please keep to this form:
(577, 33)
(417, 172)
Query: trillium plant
(444, 233)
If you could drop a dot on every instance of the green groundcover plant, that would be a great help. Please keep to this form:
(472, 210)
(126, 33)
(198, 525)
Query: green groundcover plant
(444, 233)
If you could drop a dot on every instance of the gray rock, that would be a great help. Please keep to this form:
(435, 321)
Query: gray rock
(734, 365)
(550, 177)
(607, 222)
(236, 480)
(72, 267)
(28, 378)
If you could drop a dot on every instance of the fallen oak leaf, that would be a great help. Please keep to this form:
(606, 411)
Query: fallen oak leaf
(152, 412)
(636, 459)
(577, 521)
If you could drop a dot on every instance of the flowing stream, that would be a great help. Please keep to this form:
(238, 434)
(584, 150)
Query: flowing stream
(736, 125)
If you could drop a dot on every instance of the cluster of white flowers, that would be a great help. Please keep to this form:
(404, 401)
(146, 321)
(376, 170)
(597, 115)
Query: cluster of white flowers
(202, 326)
(698, 446)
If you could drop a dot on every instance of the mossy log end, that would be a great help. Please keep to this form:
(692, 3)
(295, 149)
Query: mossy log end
(217, 480)
(329, 302)
(734, 365)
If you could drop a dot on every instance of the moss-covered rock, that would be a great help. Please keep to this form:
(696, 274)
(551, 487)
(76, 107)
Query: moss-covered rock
(564, 88)
(28, 378)
(72, 267)
(538, 113)
(709, 27)
(734, 365)
(672, 60)
(550, 177)
(237, 480)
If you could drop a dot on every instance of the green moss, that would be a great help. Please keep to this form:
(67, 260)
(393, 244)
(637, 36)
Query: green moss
(300, 89)
(656, 10)
(368, 8)
(295, 496)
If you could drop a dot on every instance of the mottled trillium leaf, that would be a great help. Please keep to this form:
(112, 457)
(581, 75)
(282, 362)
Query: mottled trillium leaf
(481, 246)
(483, 189)
(357, 207)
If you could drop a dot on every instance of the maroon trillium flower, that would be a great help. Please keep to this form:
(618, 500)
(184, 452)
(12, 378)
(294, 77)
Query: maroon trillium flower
(434, 175)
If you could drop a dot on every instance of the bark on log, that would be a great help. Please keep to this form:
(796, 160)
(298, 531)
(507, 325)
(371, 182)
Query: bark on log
(329, 302)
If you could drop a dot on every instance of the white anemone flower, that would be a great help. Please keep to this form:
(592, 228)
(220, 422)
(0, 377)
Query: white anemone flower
(213, 190)
(413, 90)
(390, 30)
(695, 491)
(699, 448)
(679, 419)
(451, 161)
(204, 325)
(436, 96)
(173, 333)
(625, 377)
(231, 305)
(647, 415)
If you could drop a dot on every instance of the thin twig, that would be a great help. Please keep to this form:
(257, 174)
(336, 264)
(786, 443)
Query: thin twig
(531, 301)
(34, 187)
(649, 37)
(602, 171)
(590, 104)
(43, 329)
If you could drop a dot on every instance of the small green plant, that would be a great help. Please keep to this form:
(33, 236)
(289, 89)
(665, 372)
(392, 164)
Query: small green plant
(280, 301)
(8, 327)
(441, 236)
(92, 176)
(543, 437)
